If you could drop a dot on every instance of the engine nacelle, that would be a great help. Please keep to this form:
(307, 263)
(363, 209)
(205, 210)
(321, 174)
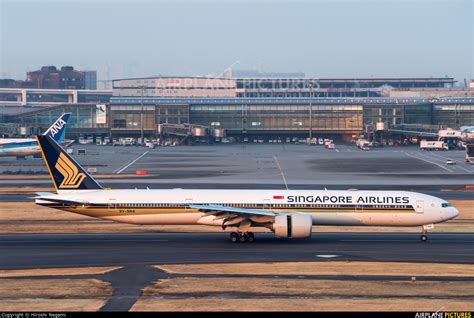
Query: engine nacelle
(294, 225)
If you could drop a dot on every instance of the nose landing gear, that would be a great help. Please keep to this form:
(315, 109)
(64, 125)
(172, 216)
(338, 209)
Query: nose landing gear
(242, 237)
(424, 231)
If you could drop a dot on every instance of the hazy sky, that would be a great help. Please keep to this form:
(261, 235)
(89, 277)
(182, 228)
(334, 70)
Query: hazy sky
(321, 38)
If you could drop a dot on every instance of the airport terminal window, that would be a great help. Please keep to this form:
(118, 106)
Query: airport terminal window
(417, 114)
(454, 115)
(278, 117)
(119, 123)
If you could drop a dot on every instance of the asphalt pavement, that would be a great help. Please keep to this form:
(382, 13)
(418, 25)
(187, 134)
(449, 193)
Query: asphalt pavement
(66, 250)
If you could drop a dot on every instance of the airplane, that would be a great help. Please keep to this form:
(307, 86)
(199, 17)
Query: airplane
(287, 213)
(22, 147)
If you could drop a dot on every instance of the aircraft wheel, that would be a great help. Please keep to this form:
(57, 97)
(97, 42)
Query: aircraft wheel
(243, 238)
(424, 238)
(250, 237)
(234, 237)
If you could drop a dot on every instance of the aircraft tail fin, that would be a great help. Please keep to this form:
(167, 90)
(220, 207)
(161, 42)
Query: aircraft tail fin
(58, 128)
(65, 172)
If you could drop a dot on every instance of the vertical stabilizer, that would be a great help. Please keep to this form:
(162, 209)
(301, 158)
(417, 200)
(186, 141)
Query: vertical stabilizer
(65, 172)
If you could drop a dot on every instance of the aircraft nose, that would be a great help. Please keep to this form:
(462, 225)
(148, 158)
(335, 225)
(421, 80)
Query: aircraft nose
(453, 212)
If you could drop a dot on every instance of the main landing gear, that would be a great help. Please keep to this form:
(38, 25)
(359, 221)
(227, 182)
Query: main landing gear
(242, 237)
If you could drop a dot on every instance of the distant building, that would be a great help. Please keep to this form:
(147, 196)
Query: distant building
(259, 74)
(52, 78)
(49, 77)
(254, 108)
(10, 83)
(90, 80)
(279, 87)
(175, 87)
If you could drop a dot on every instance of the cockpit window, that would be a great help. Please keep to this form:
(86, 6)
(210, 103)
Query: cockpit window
(445, 205)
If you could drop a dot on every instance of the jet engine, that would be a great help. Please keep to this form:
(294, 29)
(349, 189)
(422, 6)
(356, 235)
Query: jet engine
(294, 225)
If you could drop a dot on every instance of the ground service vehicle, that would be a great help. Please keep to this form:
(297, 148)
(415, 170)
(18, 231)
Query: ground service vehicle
(470, 153)
(433, 145)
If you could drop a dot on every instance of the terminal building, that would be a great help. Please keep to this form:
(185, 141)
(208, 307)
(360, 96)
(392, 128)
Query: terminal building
(254, 107)
(277, 87)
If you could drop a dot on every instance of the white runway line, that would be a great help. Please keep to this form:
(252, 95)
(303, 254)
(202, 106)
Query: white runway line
(281, 171)
(434, 160)
(429, 161)
(443, 161)
(119, 170)
(460, 167)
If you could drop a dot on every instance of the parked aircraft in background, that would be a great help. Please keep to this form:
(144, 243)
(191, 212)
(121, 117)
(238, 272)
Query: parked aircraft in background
(22, 147)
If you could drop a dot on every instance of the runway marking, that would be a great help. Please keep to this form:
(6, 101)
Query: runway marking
(443, 161)
(456, 166)
(119, 170)
(426, 160)
(337, 150)
(462, 168)
(328, 256)
(281, 171)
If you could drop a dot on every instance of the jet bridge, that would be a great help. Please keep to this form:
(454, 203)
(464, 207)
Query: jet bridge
(184, 133)
(419, 130)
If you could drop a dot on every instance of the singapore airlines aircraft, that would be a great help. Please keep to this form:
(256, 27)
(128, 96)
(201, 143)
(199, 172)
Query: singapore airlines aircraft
(22, 147)
(288, 213)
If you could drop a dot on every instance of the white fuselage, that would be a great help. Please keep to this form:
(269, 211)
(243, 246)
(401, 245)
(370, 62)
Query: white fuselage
(382, 208)
(18, 147)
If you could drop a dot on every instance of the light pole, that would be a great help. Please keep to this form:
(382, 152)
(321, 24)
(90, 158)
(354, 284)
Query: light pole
(141, 116)
(310, 85)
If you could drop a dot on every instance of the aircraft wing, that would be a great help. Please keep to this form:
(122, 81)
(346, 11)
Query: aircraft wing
(238, 217)
(219, 209)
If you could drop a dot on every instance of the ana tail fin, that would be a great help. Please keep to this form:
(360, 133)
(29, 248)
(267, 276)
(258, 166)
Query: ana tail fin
(65, 172)
(58, 128)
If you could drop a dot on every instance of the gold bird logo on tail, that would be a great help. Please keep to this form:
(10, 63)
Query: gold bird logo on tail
(72, 177)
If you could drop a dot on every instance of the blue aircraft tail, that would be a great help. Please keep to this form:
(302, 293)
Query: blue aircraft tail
(58, 128)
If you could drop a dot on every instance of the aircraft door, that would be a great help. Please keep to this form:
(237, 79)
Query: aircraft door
(419, 207)
(267, 204)
(112, 204)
